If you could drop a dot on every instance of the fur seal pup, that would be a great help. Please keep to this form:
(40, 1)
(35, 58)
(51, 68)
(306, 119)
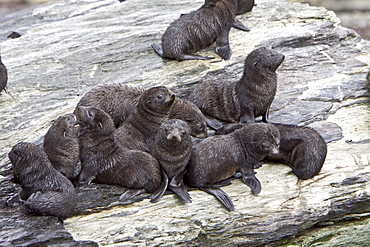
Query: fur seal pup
(247, 6)
(44, 189)
(243, 100)
(61, 145)
(143, 123)
(301, 148)
(219, 157)
(105, 161)
(3, 75)
(119, 101)
(200, 29)
(172, 148)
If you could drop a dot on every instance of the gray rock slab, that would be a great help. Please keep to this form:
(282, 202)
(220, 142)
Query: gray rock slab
(67, 47)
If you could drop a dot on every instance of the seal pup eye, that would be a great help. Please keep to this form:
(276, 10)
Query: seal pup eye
(159, 96)
(255, 63)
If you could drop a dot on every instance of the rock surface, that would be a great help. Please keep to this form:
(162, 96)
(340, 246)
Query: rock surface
(67, 47)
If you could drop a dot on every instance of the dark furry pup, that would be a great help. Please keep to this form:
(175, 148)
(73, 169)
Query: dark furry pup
(143, 123)
(172, 148)
(3, 76)
(119, 101)
(243, 100)
(44, 189)
(105, 161)
(61, 145)
(301, 148)
(219, 157)
(200, 29)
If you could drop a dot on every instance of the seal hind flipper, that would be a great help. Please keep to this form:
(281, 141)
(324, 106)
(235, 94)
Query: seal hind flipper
(239, 25)
(221, 196)
(213, 123)
(181, 192)
(131, 193)
(195, 57)
(159, 192)
(158, 49)
(253, 183)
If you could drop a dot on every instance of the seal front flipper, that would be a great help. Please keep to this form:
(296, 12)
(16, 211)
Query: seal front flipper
(239, 25)
(129, 194)
(222, 44)
(253, 183)
(221, 196)
(213, 123)
(158, 49)
(158, 193)
(181, 192)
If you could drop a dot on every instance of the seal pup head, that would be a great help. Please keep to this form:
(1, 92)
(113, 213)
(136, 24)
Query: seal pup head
(265, 138)
(190, 113)
(263, 59)
(244, 6)
(94, 119)
(65, 127)
(22, 156)
(174, 132)
(157, 100)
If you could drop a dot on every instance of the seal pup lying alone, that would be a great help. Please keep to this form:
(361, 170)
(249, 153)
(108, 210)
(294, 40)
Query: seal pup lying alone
(201, 28)
(61, 146)
(44, 190)
(172, 148)
(105, 161)
(120, 100)
(301, 148)
(243, 100)
(143, 123)
(219, 157)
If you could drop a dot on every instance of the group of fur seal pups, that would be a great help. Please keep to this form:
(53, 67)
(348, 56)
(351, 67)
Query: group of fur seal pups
(142, 139)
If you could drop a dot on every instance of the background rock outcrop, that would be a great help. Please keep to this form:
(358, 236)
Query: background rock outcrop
(67, 47)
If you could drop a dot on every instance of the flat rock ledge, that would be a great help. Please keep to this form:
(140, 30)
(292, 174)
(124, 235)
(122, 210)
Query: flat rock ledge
(67, 47)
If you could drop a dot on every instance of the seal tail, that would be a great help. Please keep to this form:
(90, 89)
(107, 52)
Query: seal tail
(181, 192)
(221, 196)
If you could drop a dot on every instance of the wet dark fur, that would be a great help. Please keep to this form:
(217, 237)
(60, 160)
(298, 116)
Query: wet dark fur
(246, 99)
(61, 146)
(301, 148)
(219, 157)
(119, 101)
(141, 126)
(3, 75)
(200, 29)
(172, 148)
(44, 189)
(105, 161)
